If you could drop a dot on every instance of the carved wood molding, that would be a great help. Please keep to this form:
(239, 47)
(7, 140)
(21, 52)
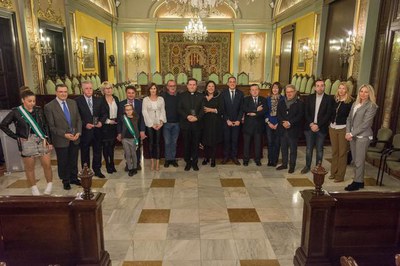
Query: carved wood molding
(50, 14)
(6, 4)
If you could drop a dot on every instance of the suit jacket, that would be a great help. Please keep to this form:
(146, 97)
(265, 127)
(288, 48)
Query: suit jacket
(187, 103)
(87, 117)
(232, 111)
(138, 111)
(294, 115)
(106, 109)
(360, 123)
(253, 124)
(58, 123)
(324, 112)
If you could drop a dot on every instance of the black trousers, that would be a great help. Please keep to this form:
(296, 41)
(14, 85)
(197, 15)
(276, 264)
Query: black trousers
(191, 140)
(86, 143)
(154, 142)
(67, 162)
(257, 146)
(231, 141)
(210, 151)
(289, 143)
(108, 153)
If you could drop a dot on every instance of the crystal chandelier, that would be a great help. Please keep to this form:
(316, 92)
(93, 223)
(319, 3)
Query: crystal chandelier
(195, 31)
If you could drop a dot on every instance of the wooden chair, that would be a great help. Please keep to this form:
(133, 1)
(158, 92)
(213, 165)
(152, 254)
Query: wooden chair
(225, 77)
(294, 80)
(303, 84)
(335, 87)
(68, 83)
(243, 79)
(182, 78)
(157, 78)
(50, 87)
(309, 86)
(98, 82)
(94, 82)
(168, 76)
(143, 78)
(391, 159)
(197, 73)
(347, 261)
(214, 77)
(328, 86)
(298, 82)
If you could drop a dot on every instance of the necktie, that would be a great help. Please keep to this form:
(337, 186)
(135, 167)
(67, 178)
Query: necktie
(90, 105)
(255, 101)
(131, 102)
(67, 114)
(232, 96)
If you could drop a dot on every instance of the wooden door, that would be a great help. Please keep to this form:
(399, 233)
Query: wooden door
(286, 57)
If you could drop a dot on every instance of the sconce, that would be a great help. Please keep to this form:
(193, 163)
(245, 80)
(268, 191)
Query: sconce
(347, 47)
(41, 45)
(80, 50)
(308, 51)
(135, 53)
(252, 53)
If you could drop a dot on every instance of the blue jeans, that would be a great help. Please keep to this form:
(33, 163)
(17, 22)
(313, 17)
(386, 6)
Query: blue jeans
(274, 144)
(171, 134)
(314, 139)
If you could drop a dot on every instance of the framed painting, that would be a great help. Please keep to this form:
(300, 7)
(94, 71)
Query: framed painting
(88, 53)
(301, 63)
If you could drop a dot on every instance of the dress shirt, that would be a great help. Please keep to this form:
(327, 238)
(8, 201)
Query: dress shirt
(318, 100)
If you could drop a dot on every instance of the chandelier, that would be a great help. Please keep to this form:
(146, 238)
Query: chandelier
(195, 31)
(346, 47)
(253, 52)
(41, 46)
(135, 54)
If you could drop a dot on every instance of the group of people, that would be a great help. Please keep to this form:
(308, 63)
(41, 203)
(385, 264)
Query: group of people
(204, 119)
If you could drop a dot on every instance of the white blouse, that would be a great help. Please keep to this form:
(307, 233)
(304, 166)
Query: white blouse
(113, 111)
(153, 111)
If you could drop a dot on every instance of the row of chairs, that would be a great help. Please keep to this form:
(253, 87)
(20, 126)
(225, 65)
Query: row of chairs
(306, 84)
(386, 151)
(73, 83)
(144, 78)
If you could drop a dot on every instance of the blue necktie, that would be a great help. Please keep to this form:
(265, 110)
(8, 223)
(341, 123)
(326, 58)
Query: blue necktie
(67, 114)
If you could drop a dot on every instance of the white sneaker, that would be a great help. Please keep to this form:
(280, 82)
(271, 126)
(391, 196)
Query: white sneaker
(35, 191)
(48, 189)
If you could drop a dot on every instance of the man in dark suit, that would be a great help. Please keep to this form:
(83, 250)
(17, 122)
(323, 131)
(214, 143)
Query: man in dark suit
(137, 105)
(190, 108)
(290, 116)
(253, 125)
(65, 125)
(318, 109)
(90, 112)
(232, 99)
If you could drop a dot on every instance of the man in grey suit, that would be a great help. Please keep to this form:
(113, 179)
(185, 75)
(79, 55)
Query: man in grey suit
(65, 128)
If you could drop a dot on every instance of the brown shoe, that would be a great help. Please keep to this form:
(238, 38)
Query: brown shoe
(236, 161)
(331, 177)
(338, 181)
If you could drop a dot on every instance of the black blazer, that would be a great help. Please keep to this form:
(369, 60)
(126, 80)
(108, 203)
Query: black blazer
(294, 115)
(232, 111)
(106, 109)
(138, 111)
(253, 124)
(188, 102)
(87, 117)
(324, 112)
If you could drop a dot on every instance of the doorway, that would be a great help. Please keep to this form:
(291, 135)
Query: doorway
(10, 63)
(102, 59)
(286, 58)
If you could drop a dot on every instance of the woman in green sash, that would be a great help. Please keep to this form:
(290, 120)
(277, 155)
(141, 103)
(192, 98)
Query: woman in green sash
(32, 135)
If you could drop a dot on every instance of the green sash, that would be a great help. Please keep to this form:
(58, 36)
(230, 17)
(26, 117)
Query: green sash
(128, 124)
(32, 122)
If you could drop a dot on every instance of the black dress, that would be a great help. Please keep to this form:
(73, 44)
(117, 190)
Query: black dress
(212, 127)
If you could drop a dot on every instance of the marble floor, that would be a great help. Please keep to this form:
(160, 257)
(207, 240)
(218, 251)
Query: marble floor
(224, 216)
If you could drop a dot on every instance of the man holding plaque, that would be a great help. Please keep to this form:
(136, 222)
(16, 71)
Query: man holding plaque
(190, 108)
(90, 112)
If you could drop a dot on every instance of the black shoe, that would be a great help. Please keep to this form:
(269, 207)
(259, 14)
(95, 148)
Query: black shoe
(113, 169)
(139, 167)
(99, 174)
(76, 182)
(166, 164)
(110, 170)
(258, 163)
(126, 168)
(245, 163)
(67, 186)
(354, 186)
(132, 172)
(236, 161)
(205, 161)
(212, 163)
(195, 167)
(269, 164)
(281, 167)
(188, 166)
(225, 161)
(174, 163)
(305, 170)
(291, 170)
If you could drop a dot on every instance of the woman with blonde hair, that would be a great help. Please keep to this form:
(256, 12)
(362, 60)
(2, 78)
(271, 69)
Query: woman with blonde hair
(359, 132)
(33, 136)
(109, 106)
(337, 132)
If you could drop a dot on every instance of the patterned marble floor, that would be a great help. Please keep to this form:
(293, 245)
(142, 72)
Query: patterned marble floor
(224, 216)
